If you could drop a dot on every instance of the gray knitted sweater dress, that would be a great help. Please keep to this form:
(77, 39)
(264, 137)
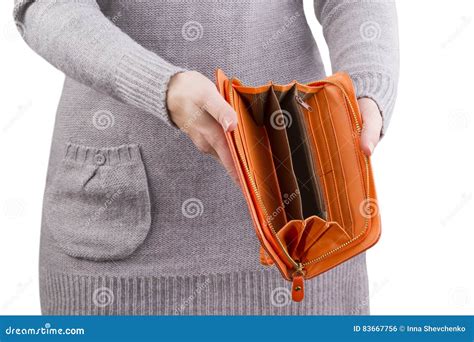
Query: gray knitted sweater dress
(135, 219)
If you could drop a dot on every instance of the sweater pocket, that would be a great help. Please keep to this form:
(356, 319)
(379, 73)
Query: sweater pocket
(97, 205)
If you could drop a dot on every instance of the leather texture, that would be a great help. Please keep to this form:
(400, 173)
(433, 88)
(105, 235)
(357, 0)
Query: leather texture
(308, 186)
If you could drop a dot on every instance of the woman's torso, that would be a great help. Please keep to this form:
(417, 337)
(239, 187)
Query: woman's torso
(254, 40)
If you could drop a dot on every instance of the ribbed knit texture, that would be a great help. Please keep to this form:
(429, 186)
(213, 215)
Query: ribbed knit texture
(236, 293)
(77, 38)
(111, 156)
(136, 220)
(141, 80)
(379, 87)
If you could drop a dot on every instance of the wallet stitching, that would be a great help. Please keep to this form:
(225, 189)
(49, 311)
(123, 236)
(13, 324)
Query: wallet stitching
(330, 160)
(356, 150)
(252, 205)
(319, 157)
(265, 225)
(366, 191)
(346, 194)
(353, 239)
(367, 223)
(291, 169)
(354, 145)
(244, 141)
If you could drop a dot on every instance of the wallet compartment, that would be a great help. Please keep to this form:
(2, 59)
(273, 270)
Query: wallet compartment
(291, 136)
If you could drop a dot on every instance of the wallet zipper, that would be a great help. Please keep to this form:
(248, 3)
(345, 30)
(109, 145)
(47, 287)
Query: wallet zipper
(298, 274)
(255, 189)
(367, 175)
(303, 104)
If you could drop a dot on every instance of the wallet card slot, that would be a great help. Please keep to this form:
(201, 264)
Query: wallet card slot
(275, 125)
(304, 165)
(305, 248)
(345, 128)
(335, 180)
(320, 237)
(257, 147)
(265, 111)
(322, 149)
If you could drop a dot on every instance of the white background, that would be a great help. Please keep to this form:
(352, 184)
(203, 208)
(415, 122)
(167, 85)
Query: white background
(424, 172)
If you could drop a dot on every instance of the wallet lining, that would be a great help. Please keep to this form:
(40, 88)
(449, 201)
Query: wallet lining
(306, 173)
(301, 193)
(257, 146)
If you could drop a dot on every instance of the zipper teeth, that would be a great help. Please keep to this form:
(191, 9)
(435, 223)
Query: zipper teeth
(257, 193)
(255, 189)
(366, 225)
(366, 162)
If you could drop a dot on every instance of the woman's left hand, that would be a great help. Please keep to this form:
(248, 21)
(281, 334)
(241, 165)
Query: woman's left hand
(372, 125)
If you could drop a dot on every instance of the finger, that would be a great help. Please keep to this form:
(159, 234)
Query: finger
(372, 126)
(213, 153)
(219, 144)
(221, 111)
(370, 137)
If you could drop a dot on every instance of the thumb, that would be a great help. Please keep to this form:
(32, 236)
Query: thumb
(220, 110)
(372, 125)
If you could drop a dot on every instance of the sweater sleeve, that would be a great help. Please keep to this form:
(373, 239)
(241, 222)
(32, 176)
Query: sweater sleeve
(362, 38)
(79, 40)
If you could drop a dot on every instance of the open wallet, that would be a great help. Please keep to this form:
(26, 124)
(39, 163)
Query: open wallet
(308, 185)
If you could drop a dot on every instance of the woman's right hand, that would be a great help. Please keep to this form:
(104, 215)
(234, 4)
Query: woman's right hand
(197, 108)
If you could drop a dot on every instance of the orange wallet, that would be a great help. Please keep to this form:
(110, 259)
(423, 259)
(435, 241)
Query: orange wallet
(308, 185)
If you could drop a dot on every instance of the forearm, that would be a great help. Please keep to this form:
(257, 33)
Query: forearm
(362, 37)
(79, 40)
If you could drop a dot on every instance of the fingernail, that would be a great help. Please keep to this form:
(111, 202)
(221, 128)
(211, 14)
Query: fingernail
(226, 124)
(371, 147)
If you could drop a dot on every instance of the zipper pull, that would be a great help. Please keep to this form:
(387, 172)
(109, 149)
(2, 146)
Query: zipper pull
(297, 287)
(303, 104)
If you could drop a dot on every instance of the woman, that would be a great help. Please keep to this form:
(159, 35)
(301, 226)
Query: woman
(136, 219)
